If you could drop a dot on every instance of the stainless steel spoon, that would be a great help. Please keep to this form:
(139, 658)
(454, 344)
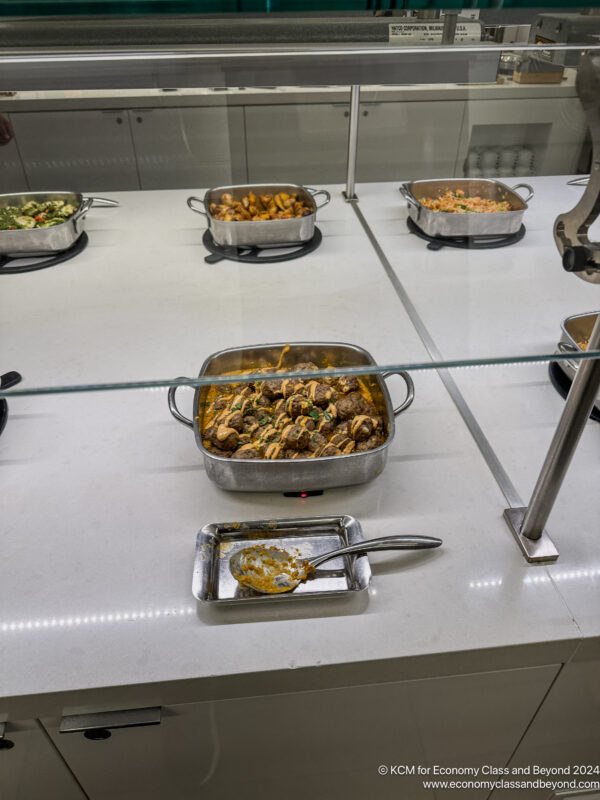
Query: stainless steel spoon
(270, 570)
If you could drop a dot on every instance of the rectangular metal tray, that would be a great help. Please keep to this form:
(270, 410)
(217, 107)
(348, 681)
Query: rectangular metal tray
(574, 329)
(444, 223)
(306, 537)
(44, 241)
(264, 233)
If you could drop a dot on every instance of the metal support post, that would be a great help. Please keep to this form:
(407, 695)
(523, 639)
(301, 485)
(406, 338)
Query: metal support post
(349, 194)
(527, 524)
(449, 29)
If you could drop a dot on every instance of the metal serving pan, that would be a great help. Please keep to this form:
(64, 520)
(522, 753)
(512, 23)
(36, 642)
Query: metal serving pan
(447, 223)
(268, 232)
(292, 475)
(309, 536)
(574, 329)
(41, 241)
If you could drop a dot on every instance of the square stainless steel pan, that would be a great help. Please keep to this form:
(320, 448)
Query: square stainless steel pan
(42, 241)
(291, 475)
(268, 232)
(307, 537)
(575, 329)
(447, 223)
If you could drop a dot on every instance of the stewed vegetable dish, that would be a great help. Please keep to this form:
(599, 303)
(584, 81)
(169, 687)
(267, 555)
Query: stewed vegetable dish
(291, 418)
(254, 207)
(35, 215)
(459, 203)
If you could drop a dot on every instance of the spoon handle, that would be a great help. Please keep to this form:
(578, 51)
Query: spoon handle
(384, 543)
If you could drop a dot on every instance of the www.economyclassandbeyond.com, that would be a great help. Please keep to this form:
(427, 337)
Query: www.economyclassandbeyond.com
(489, 777)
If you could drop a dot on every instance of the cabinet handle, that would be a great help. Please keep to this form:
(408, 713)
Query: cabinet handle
(365, 113)
(5, 744)
(139, 120)
(98, 725)
(119, 120)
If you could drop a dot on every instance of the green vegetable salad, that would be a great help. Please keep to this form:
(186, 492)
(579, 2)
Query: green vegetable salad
(35, 215)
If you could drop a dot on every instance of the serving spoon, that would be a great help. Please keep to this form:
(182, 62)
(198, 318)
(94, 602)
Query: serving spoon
(272, 570)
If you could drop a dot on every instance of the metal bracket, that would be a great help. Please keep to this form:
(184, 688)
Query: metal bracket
(534, 550)
(128, 718)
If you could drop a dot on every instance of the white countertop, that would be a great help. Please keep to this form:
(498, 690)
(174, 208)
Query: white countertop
(105, 492)
(490, 303)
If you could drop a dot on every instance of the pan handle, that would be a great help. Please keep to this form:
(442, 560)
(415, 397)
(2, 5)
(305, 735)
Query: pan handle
(101, 202)
(173, 406)
(524, 186)
(567, 347)
(85, 206)
(410, 390)
(191, 200)
(9, 379)
(316, 192)
(408, 195)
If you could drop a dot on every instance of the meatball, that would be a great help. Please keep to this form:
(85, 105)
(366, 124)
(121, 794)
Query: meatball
(246, 451)
(316, 441)
(325, 423)
(306, 422)
(343, 427)
(344, 443)
(297, 405)
(295, 437)
(241, 403)
(258, 401)
(245, 438)
(250, 424)
(281, 419)
(347, 383)
(291, 386)
(350, 405)
(304, 366)
(268, 433)
(263, 416)
(328, 450)
(272, 389)
(319, 393)
(234, 420)
(297, 454)
(361, 427)
(222, 402)
(279, 406)
(274, 451)
(225, 437)
(371, 443)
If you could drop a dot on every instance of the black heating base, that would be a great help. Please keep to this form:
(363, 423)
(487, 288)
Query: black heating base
(11, 265)
(562, 383)
(467, 242)
(259, 255)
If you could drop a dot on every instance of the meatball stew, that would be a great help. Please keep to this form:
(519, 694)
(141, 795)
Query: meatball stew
(294, 418)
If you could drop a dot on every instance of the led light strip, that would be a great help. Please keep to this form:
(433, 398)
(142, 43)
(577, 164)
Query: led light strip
(95, 619)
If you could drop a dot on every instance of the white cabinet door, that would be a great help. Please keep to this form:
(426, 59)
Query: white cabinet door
(408, 141)
(319, 744)
(31, 768)
(396, 141)
(12, 174)
(565, 733)
(85, 151)
(304, 144)
(185, 148)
